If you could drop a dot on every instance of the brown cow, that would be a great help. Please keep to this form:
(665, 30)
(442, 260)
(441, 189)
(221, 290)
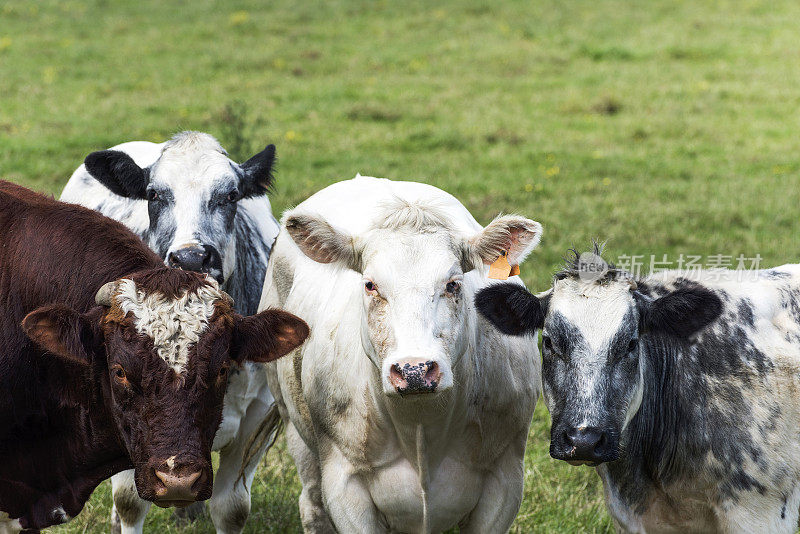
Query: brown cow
(109, 361)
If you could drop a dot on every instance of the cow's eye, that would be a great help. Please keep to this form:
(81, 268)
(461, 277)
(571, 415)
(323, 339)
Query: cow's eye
(453, 286)
(547, 343)
(223, 371)
(633, 345)
(152, 195)
(233, 196)
(119, 374)
(370, 286)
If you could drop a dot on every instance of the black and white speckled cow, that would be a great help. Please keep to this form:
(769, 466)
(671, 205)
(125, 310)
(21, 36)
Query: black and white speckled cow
(682, 389)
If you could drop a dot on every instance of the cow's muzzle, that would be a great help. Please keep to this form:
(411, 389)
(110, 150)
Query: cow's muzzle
(415, 375)
(197, 258)
(584, 445)
(180, 485)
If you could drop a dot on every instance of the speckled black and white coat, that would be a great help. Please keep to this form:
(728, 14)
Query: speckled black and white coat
(691, 383)
(187, 192)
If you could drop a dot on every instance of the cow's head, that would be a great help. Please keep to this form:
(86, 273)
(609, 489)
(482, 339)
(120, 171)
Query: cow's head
(159, 346)
(192, 194)
(595, 331)
(412, 263)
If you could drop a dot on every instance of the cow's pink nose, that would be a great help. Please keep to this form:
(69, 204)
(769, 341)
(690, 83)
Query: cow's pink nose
(177, 488)
(415, 375)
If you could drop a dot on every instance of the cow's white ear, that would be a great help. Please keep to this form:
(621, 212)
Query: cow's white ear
(513, 234)
(322, 242)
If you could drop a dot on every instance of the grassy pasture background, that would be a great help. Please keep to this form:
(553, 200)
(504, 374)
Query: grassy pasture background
(666, 127)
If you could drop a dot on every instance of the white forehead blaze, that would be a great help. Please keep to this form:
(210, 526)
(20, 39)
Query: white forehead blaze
(191, 162)
(173, 324)
(594, 310)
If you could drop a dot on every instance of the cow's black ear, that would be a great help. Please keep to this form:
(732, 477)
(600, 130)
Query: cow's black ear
(682, 312)
(257, 173)
(511, 308)
(62, 331)
(118, 172)
(266, 336)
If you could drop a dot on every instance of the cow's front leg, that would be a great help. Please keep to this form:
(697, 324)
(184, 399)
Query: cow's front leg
(8, 525)
(347, 500)
(502, 493)
(312, 511)
(129, 511)
(230, 500)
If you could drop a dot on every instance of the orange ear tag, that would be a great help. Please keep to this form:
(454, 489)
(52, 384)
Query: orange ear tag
(500, 269)
(515, 270)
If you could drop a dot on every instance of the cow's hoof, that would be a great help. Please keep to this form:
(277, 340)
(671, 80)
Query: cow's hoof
(190, 513)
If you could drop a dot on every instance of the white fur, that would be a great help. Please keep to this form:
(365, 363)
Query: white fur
(370, 460)
(173, 324)
(9, 525)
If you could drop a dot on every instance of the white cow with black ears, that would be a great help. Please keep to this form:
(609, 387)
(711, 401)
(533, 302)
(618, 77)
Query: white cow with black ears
(405, 411)
(203, 212)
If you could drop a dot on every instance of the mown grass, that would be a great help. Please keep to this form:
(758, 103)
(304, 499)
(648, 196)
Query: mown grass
(665, 127)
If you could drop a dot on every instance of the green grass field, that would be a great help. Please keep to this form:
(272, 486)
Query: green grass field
(665, 127)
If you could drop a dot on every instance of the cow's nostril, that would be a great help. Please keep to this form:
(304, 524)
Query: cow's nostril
(396, 376)
(433, 372)
(200, 480)
(600, 445)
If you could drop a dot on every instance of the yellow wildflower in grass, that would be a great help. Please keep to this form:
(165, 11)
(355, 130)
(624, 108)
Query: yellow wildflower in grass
(237, 18)
(49, 74)
(552, 171)
(606, 181)
(5, 43)
(415, 65)
(528, 187)
(291, 135)
(779, 169)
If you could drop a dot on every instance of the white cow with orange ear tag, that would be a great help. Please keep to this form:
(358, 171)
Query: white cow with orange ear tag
(405, 410)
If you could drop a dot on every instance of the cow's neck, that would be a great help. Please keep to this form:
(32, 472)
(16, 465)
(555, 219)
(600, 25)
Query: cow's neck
(423, 424)
(88, 452)
(244, 284)
(655, 447)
